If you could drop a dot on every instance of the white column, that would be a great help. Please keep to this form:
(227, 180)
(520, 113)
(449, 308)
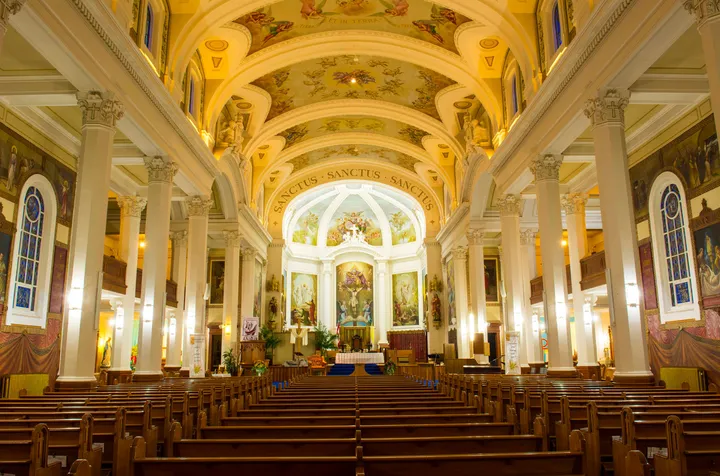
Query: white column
(438, 332)
(131, 208)
(327, 301)
(100, 111)
(461, 302)
(175, 325)
(198, 207)
(707, 16)
(8, 8)
(574, 206)
(607, 113)
(476, 286)
(531, 324)
(510, 206)
(547, 171)
(382, 319)
(230, 291)
(157, 229)
(247, 297)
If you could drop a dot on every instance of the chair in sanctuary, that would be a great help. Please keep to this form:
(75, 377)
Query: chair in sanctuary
(357, 343)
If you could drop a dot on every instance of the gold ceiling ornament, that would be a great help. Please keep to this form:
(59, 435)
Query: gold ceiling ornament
(216, 45)
(489, 43)
(462, 105)
(243, 105)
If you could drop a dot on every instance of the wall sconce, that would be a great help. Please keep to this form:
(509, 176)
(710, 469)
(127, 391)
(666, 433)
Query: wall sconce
(148, 313)
(75, 299)
(632, 294)
(228, 329)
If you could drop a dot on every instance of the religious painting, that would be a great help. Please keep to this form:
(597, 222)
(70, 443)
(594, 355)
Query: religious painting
(351, 77)
(290, 19)
(405, 299)
(257, 302)
(57, 284)
(707, 247)
(303, 298)
(401, 228)
(492, 292)
(5, 242)
(63, 180)
(648, 276)
(450, 270)
(307, 226)
(354, 305)
(343, 152)
(354, 219)
(217, 281)
(694, 156)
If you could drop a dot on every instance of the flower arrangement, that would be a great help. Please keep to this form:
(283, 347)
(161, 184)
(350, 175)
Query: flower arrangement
(259, 367)
(390, 367)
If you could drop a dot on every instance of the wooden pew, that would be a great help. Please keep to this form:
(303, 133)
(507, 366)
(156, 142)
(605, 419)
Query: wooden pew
(28, 457)
(689, 453)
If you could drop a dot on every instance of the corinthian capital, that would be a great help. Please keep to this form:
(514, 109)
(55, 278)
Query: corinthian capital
(198, 205)
(608, 107)
(546, 167)
(573, 203)
(100, 108)
(179, 238)
(131, 206)
(475, 236)
(9, 8)
(703, 10)
(509, 205)
(232, 238)
(160, 169)
(527, 237)
(248, 254)
(459, 253)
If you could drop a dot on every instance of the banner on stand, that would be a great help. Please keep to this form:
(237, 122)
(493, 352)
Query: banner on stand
(197, 355)
(512, 353)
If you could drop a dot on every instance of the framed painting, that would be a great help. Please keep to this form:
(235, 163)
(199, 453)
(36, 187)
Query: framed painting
(405, 299)
(354, 305)
(303, 299)
(217, 281)
(492, 270)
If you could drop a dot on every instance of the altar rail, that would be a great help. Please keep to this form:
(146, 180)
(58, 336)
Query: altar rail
(423, 371)
(279, 373)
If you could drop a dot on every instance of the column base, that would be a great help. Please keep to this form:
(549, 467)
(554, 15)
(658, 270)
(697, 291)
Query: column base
(562, 372)
(184, 373)
(634, 379)
(590, 372)
(524, 370)
(148, 376)
(75, 384)
(121, 375)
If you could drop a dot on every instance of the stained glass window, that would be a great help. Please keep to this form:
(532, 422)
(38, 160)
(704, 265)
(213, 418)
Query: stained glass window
(557, 29)
(676, 247)
(148, 27)
(513, 96)
(28, 259)
(191, 98)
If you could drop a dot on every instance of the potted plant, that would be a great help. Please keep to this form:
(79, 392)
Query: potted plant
(230, 362)
(260, 368)
(390, 367)
(324, 339)
(271, 341)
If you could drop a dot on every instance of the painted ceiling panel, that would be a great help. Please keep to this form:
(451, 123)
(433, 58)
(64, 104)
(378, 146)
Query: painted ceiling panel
(354, 151)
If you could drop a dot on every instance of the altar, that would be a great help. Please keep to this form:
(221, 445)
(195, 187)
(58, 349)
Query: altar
(360, 358)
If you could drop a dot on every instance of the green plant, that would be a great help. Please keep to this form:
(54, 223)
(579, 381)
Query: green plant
(324, 339)
(230, 362)
(259, 368)
(271, 340)
(390, 367)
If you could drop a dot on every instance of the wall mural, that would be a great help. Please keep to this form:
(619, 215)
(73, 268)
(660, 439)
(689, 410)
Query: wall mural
(257, 304)
(492, 293)
(354, 213)
(405, 299)
(293, 18)
(32, 350)
(354, 304)
(325, 154)
(351, 77)
(450, 276)
(402, 229)
(306, 228)
(303, 298)
(694, 156)
(359, 124)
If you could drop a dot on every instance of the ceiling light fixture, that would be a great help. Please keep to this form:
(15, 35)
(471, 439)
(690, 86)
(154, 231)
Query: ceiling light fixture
(353, 80)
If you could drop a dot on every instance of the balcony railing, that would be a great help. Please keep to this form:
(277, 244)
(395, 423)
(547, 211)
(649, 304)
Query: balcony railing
(114, 280)
(536, 287)
(592, 269)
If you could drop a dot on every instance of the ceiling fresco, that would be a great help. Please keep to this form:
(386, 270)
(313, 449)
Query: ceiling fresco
(353, 77)
(356, 151)
(294, 18)
(322, 127)
(354, 210)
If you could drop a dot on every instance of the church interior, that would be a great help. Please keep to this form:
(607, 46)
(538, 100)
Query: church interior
(369, 237)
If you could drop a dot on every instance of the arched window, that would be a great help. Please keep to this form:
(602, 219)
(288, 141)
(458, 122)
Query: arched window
(191, 97)
(32, 253)
(149, 21)
(513, 96)
(672, 250)
(556, 27)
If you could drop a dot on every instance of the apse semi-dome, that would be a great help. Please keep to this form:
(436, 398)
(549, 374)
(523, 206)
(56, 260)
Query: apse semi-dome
(377, 216)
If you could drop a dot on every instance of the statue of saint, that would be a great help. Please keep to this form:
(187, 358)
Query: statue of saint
(107, 350)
